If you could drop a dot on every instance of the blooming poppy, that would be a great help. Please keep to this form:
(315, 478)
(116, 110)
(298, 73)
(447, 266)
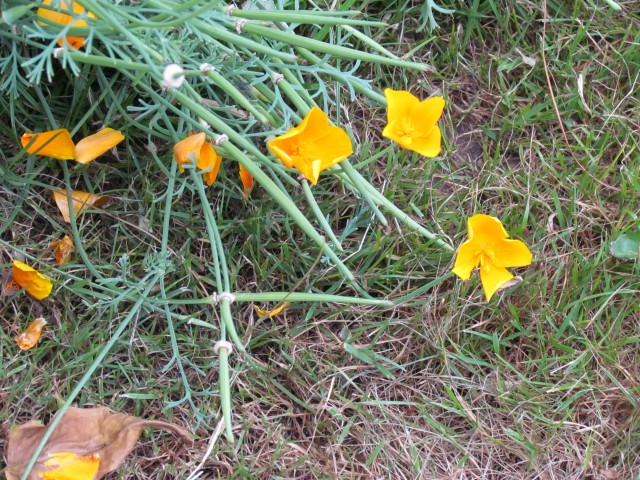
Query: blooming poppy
(58, 144)
(36, 284)
(70, 466)
(412, 123)
(31, 335)
(312, 146)
(81, 202)
(62, 16)
(247, 180)
(62, 249)
(487, 248)
(195, 148)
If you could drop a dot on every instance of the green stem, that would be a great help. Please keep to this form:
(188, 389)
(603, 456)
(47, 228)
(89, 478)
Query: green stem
(319, 215)
(356, 181)
(307, 297)
(290, 16)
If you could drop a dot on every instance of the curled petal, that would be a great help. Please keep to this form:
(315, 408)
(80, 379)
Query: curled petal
(425, 115)
(271, 313)
(54, 143)
(81, 201)
(188, 150)
(208, 158)
(247, 180)
(36, 284)
(91, 147)
(31, 335)
(70, 466)
(62, 249)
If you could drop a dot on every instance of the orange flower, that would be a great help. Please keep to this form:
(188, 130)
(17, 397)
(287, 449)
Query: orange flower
(58, 144)
(195, 148)
(247, 180)
(81, 202)
(489, 249)
(312, 146)
(70, 466)
(31, 335)
(57, 16)
(412, 123)
(36, 284)
(62, 249)
(54, 144)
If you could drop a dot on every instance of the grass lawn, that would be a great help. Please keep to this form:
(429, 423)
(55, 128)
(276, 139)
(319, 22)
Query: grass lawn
(541, 129)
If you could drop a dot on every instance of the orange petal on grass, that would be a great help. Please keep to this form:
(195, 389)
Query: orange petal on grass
(36, 284)
(62, 250)
(91, 147)
(81, 202)
(31, 335)
(247, 180)
(54, 143)
(271, 313)
(10, 287)
(70, 466)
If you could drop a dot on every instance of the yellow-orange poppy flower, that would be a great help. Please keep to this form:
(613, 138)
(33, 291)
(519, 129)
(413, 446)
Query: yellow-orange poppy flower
(488, 248)
(36, 284)
(195, 148)
(81, 202)
(65, 15)
(58, 144)
(62, 249)
(312, 146)
(54, 144)
(70, 466)
(247, 180)
(91, 147)
(31, 335)
(412, 123)
(271, 313)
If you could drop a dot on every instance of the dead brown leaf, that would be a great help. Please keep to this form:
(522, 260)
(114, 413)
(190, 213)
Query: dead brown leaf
(86, 432)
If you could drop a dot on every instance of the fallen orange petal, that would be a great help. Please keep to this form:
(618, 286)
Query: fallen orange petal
(31, 335)
(91, 147)
(70, 466)
(247, 180)
(36, 284)
(54, 143)
(271, 313)
(81, 202)
(62, 249)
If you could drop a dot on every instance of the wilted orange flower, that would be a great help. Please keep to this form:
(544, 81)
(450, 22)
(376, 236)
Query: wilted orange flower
(49, 12)
(412, 123)
(271, 313)
(195, 148)
(81, 201)
(62, 249)
(247, 180)
(31, 335)
(36, 284)
(70, 466)
(488, 248)
(58, 144)
(312, 146)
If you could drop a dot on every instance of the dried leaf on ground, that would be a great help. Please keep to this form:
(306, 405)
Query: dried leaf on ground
(81, 201)
(82, 436)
